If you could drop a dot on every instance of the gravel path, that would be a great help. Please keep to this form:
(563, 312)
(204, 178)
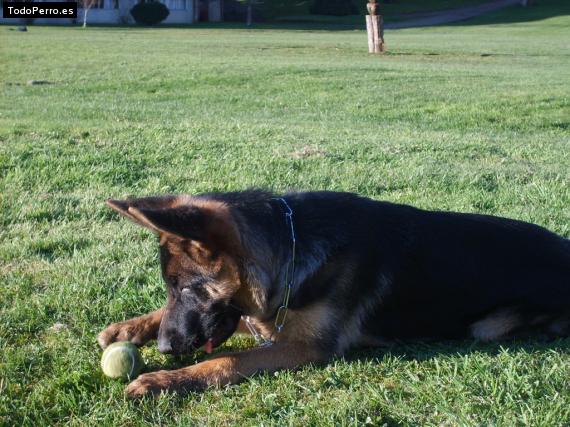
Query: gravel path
(444, 17)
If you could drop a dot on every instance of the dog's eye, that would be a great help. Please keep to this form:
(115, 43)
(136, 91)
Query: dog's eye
(193, 284)
(197, 282)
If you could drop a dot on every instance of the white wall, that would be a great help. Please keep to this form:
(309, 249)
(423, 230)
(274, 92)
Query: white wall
(180, 16)
(99, 16)
(122, 15)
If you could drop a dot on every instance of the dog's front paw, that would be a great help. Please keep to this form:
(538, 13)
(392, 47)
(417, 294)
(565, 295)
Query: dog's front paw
(123, 331)
(151, 384)
(155, 383)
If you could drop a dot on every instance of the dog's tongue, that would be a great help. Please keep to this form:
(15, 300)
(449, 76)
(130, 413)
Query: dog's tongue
(209, 347)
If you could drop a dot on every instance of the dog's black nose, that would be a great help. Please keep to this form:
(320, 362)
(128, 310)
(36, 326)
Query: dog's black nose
(164, 346)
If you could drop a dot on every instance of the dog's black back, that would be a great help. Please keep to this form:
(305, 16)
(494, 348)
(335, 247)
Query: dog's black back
(410, 273)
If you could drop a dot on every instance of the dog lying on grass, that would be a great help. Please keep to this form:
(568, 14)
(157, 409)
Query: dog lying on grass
(317, 273)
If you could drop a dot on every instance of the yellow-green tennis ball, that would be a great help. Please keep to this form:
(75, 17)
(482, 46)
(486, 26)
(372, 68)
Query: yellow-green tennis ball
(122, 360)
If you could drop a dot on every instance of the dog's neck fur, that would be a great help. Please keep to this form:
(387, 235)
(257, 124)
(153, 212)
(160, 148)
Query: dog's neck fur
(269, 254)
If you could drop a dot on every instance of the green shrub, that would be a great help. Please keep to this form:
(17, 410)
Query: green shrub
(149, 12)
(334, 7)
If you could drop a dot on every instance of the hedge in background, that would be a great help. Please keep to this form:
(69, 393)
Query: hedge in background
(334, 7)
(149, 12)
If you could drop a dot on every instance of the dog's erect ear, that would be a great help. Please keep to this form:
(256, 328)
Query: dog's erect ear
(127, 207)
(204, 221)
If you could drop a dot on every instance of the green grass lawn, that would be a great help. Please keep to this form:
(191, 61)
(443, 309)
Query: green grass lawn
(467, 117)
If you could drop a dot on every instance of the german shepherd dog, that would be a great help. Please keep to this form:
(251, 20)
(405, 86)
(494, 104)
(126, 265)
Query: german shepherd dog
(337, 271)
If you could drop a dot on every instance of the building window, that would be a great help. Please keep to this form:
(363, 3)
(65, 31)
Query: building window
(175, 4)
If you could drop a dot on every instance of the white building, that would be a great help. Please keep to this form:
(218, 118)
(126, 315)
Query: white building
(118, 12)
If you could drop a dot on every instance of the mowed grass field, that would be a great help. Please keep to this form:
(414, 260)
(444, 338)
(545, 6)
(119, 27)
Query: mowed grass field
(472, 117)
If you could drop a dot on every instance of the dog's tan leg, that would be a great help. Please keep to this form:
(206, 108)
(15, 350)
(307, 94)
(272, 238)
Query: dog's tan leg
(226, 369)
(138, 330)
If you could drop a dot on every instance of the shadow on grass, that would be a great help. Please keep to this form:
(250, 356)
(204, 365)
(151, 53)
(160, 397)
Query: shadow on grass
(426, 351)
(543, 9)
(58, 248)
(279, 26)
(419, 351)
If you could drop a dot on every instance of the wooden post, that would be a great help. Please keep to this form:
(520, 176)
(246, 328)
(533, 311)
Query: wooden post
(374, 28)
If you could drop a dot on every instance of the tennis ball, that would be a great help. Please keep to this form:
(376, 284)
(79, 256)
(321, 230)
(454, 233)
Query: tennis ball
(122, 360)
